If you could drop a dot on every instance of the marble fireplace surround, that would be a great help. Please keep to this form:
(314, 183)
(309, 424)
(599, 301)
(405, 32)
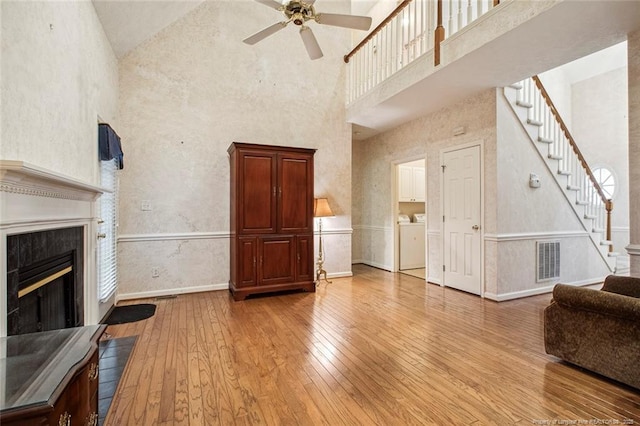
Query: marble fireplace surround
(36, 199)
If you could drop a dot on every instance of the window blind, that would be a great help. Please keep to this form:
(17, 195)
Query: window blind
(107, 253)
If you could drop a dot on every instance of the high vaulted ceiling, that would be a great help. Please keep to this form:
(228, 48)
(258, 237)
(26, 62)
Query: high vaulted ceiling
(127, 23)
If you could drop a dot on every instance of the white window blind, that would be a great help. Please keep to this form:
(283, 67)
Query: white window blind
(107, 251)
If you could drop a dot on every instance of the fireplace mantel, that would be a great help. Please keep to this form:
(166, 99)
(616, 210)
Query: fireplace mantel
(24, 178)
(33, 199)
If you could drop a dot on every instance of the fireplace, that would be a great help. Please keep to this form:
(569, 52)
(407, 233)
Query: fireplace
(48, 229)
(45, 280)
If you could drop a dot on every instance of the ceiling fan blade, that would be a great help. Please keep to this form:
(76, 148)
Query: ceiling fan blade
(310, 43)
(346, 21)
(265, 33)
(271, 3)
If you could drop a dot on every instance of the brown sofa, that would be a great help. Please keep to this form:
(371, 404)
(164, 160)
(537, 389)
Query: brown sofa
(597, 329)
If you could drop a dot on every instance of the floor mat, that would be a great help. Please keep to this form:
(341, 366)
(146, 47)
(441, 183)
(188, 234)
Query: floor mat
(130, 313)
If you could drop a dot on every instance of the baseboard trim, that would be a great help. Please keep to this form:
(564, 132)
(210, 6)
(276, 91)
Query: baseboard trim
(199, 289)
(171, 291)
(345, 274)
(375, 265)
(537, 291)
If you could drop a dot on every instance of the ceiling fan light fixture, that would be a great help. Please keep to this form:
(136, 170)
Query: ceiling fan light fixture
(298, 18)
(301, 11)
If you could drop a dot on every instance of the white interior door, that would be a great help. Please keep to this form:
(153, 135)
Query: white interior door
(461, 227)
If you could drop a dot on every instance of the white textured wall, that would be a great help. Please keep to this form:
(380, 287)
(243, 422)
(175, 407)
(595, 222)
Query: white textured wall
(426, 136)
(58, 76)
(189, 92)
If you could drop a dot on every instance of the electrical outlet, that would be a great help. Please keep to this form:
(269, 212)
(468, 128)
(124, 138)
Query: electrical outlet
(155, 272)
(145, 205)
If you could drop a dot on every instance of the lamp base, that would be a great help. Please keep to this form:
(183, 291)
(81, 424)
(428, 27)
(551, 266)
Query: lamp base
(321, 272)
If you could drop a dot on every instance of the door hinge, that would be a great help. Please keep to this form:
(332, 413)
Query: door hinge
(443, 167)
(443, 218)
(443, 268)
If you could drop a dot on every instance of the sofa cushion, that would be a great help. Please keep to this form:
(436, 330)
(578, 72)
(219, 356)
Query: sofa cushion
(602, 302)
(629, 286)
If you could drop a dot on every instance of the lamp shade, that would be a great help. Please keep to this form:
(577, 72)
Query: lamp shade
(321, 208)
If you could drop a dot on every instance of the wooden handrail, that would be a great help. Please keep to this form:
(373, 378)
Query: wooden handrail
(607, 202)
(377, 29)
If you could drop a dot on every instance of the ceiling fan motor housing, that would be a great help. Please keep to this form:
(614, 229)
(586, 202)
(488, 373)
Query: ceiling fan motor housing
(299, 12)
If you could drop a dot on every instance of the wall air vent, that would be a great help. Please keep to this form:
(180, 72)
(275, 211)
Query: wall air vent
(548, 265)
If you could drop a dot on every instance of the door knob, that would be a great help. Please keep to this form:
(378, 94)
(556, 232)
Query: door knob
(475, 227)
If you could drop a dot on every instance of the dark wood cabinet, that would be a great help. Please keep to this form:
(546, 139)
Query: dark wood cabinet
(51, 377)
(271, 219)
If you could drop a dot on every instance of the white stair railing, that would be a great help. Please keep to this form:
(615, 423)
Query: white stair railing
(541, 112)
(405, 35)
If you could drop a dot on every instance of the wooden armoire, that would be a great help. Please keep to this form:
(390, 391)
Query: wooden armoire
(271, 219)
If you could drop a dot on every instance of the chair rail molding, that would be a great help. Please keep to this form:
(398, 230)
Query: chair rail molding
(519, 236)
(211, 235)
(633, 249)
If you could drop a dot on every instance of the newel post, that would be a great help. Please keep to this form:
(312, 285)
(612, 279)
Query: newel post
(438, 36)
(609, 206)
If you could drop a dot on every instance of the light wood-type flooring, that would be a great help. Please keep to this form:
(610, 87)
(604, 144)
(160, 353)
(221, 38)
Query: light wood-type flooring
(377, 348)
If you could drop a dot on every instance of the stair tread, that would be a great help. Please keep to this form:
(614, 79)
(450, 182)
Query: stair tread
(555, 157)
(545, 140)
(517, 86)
(582, 203)
(613, 254)
(564, 172)
(605, 242)
(534, 122)
(590, 216)
(573, 188)
(524, 104)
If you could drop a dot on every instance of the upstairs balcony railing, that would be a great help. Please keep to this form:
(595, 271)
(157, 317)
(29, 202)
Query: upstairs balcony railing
(412, 29)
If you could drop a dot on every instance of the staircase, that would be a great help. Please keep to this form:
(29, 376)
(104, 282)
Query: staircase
(553, 141)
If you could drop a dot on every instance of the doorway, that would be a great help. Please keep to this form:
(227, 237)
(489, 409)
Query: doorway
(410, 208)
(462, 219)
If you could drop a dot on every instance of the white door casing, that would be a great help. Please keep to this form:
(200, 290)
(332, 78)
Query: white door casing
(461, 195)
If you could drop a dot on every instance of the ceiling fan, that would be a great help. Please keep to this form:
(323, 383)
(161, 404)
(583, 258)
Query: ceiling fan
(299, 12)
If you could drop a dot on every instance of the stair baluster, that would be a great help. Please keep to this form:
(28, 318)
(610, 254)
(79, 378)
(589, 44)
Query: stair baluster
(541, 112)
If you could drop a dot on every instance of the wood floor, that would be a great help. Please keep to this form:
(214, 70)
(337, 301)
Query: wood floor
(378, 348)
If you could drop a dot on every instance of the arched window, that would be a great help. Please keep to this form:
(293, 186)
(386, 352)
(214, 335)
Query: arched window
(606, 180)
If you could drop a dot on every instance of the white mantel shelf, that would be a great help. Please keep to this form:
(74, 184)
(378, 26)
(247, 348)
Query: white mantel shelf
(27, 179)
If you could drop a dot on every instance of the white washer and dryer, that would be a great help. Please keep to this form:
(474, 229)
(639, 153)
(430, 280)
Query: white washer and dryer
(412, 242)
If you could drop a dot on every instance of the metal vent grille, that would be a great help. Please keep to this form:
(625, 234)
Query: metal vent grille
(548, 260)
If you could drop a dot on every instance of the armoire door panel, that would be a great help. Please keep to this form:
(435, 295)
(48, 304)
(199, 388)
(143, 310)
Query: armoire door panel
(295, 201)
(304, 258)
(277, 260)
(258, 193)
(247, 261)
